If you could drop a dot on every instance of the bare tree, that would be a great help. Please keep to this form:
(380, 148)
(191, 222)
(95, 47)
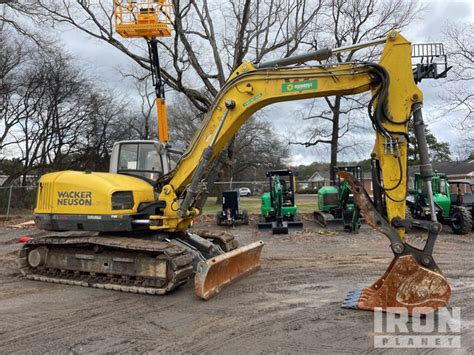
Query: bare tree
(103, 126)
(458, 96)
(52, 102)
(344, 23)
(143, 122)
(211, 39)
(230, 31)
(12, 58)
(258, 149)
(256, 145)
(52, 118)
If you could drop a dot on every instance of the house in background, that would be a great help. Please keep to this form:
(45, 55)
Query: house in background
(313, 183)
(454, 170)
(323, 178)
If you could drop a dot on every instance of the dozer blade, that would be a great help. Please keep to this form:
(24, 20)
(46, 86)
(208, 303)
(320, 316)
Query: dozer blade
(413, 280)
(217, 273)
(280, 227)
(327, 220)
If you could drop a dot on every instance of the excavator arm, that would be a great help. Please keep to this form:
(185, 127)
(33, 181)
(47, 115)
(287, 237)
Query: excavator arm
(413, 280)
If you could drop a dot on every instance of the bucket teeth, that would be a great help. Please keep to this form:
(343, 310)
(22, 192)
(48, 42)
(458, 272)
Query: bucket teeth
(352, 299)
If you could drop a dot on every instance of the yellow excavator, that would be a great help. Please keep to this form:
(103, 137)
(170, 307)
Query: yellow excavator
(129, 229)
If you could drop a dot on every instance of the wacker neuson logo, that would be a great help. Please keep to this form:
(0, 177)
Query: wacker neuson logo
(74, 198)
(396, 329)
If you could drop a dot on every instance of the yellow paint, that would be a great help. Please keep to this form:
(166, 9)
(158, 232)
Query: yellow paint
(146, 18)
(162, 115)
(54, 186)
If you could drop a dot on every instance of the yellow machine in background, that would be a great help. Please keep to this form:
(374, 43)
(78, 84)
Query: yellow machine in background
(154, 252)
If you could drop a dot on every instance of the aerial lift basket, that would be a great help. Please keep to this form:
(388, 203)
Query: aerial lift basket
(149, 18)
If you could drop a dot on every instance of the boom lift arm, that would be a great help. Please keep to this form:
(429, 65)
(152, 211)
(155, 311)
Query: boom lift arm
(148, 19)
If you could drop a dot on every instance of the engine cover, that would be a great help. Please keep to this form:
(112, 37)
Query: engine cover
(74, 200)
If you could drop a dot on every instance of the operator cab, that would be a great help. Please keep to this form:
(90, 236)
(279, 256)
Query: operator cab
(144, 159)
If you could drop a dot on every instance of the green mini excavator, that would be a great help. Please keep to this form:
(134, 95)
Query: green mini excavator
(335, 204)
(278, 205)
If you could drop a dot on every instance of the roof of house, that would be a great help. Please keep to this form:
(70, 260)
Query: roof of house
(449, 168)
(325, 174)
(316, 177)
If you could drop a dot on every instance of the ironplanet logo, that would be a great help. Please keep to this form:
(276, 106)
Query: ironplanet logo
(74, 198)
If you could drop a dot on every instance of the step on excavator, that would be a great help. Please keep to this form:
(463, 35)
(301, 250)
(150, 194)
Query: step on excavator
(129, 229)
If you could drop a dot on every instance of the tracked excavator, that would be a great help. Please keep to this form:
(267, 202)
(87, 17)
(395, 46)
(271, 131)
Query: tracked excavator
(335, 205)
(129, 229)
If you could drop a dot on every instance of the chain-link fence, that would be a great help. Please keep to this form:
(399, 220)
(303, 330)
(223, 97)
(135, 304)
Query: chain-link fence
(257, 187)
(15, 200)
(21, 200)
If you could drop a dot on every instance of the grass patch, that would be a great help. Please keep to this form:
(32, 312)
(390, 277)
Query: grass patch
(252, 205)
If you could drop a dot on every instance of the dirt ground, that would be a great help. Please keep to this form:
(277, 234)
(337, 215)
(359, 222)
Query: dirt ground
(292, 305)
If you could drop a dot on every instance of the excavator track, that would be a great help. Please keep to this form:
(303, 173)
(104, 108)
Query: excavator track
(323, 219)
(135, 265)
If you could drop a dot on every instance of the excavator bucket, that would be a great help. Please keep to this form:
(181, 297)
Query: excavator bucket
(405, 284)
(412, 281)
(217, 273)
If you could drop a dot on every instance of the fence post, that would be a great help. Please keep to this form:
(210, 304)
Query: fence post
(9, 201)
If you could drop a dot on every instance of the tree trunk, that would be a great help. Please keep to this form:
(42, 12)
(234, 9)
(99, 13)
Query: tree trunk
(334, 139)
(226, 170)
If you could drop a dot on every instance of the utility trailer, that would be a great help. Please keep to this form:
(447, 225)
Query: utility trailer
(231, 212)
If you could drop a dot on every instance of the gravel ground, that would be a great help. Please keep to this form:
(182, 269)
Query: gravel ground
(291, 306)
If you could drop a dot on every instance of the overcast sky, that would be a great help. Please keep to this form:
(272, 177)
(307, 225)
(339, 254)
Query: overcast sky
(104, 62)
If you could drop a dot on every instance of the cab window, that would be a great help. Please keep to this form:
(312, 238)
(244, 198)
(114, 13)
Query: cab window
(141, 159)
